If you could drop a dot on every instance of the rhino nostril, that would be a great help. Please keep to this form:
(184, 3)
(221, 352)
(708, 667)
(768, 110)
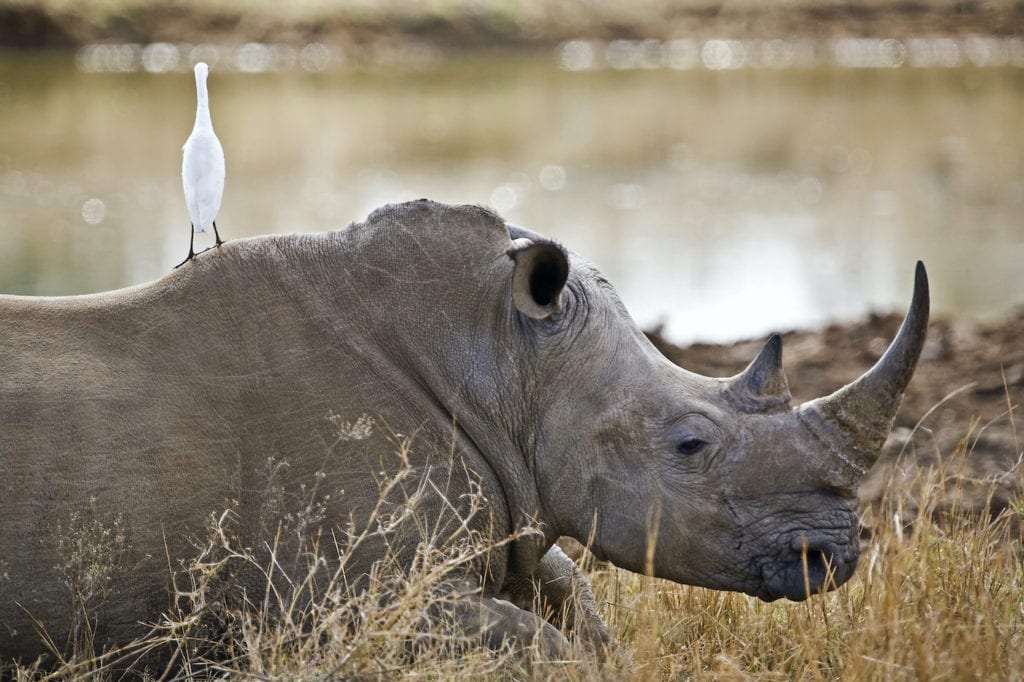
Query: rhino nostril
(819, 566)
(808, 568)
(803, 545)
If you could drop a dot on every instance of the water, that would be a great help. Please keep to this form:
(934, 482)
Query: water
(725, 202)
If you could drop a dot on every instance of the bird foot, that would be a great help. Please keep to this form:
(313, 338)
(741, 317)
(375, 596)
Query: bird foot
(191, 255)
(208, 248)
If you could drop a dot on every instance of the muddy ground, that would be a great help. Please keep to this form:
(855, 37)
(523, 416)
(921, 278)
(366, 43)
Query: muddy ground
(956, 418)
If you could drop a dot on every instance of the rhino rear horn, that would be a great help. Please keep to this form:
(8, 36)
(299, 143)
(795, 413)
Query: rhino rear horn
(863, 411)
(541, 271)
(762, 386)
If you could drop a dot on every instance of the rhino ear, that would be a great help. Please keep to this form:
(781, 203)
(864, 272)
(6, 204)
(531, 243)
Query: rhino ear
(762, 386)
(541, 270)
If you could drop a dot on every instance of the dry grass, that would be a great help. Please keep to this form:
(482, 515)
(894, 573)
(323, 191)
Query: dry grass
(334, 620)
(937, 596)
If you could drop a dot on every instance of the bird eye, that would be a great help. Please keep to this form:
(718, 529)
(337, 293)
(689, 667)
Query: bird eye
(690, 446)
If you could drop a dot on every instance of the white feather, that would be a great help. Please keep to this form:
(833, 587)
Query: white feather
(202, 166)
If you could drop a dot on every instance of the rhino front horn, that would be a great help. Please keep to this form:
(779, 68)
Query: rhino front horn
(863, 412)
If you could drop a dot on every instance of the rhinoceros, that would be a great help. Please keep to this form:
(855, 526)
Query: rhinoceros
(505, 366)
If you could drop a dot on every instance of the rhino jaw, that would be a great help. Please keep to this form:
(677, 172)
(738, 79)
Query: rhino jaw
(856, 419)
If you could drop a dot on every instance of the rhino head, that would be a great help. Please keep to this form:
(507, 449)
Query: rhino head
(721, 483)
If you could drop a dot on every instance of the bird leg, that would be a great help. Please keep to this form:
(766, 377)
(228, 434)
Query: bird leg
(191, 252)
(217, 234)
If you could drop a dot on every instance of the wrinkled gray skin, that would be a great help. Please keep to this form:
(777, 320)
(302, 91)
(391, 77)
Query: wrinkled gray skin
(154, 407)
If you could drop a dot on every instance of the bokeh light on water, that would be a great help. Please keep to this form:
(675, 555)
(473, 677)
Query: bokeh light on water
(726, 187)
(718, 54)
(245, 58)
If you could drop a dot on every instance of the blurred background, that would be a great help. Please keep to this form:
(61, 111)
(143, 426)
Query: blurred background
(734, 167)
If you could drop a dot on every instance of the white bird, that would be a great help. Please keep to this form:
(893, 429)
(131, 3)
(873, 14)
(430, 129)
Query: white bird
(202, 167)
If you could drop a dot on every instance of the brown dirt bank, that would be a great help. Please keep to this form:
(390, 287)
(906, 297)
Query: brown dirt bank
(959, 400)
(466, 24)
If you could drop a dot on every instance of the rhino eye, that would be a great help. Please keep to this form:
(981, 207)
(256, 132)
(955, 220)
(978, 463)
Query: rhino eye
(690, 446)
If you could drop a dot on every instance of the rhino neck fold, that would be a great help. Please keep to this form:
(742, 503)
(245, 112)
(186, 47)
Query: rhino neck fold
(438, 322)
(520, 496)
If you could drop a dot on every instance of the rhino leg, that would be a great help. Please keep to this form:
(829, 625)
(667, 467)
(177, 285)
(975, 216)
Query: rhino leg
(498, 623)
(561, 593)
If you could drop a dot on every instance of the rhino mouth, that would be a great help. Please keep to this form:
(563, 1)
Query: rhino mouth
(802, 572)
